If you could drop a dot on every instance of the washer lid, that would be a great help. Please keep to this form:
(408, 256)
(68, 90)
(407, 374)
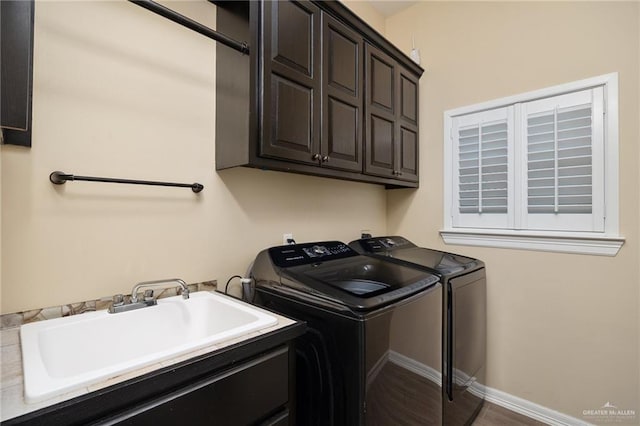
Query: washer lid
(336, 272)
(399, 248)
(444, 263)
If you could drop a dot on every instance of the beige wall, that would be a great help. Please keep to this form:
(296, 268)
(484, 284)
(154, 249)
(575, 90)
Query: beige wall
(125, 93)
(563, 329)
(364, 10)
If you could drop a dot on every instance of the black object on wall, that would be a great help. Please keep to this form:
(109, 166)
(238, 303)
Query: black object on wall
(16, 70)
(60, 178)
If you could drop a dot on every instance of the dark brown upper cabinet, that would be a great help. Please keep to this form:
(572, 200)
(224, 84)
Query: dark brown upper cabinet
(380, 113)
(16, 70)
(292, 81)
(298, 102)
(391, 117)
(407, 126)
(342, 96)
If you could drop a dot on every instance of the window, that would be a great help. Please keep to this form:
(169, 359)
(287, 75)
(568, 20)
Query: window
(536, 171)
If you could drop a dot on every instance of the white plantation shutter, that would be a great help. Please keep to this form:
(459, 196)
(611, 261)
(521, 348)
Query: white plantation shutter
(559, 160)
(563, 165)
(553, 179)
(469, 169)
(482, 145)
(536, 170)
(483, 168)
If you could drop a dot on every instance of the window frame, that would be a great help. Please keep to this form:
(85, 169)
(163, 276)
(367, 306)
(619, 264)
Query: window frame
(607, 242)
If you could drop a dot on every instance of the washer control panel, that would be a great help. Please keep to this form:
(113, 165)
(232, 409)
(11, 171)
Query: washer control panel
(307, 253)
(373, 245)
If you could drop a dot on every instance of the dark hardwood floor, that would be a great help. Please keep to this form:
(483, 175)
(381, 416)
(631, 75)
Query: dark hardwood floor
(399, 397)
(394, 390)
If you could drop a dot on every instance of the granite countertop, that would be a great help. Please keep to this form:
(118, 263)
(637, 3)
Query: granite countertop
(12, 402)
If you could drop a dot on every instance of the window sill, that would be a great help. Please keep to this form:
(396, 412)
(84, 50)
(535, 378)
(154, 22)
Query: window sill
(581, 243)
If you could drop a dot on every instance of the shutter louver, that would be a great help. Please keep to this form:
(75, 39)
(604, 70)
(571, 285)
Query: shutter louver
(483, 167)
(559, 160)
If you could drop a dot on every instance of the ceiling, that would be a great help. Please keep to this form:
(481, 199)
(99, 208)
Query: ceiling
(391, 7)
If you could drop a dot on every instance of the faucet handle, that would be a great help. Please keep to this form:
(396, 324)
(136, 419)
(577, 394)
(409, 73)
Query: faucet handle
(118, 300)
(148, 295)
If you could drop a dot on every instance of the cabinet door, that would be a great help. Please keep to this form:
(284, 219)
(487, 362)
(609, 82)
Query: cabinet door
(247, 394)
(380, 113)
(391, 118)
(16, 70)
(292, 84)
(342, 96)
(407, 126)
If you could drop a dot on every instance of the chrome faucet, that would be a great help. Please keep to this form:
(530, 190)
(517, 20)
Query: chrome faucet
(159, 283)
(119, 304)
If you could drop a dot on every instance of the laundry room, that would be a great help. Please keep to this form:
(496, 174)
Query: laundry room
(121, 92)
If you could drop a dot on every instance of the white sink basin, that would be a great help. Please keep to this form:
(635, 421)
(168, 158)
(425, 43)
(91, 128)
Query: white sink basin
(68, 353)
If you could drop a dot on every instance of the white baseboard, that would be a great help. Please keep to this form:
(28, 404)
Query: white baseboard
(494, 396)
(531, 409)
(414, 366)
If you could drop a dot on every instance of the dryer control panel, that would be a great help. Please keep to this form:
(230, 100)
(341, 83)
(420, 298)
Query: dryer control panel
(376, 244)
(307, 253)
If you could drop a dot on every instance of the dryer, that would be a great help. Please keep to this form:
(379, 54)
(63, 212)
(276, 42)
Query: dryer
(463, 281)
(367, 320)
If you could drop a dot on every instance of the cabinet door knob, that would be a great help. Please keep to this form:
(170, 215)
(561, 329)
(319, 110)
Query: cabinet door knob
(315, 157)
(325, 158)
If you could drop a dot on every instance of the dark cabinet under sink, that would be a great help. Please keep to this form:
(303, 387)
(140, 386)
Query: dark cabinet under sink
(254, 392)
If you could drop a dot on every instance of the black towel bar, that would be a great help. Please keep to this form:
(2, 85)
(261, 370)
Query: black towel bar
(60, 178)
